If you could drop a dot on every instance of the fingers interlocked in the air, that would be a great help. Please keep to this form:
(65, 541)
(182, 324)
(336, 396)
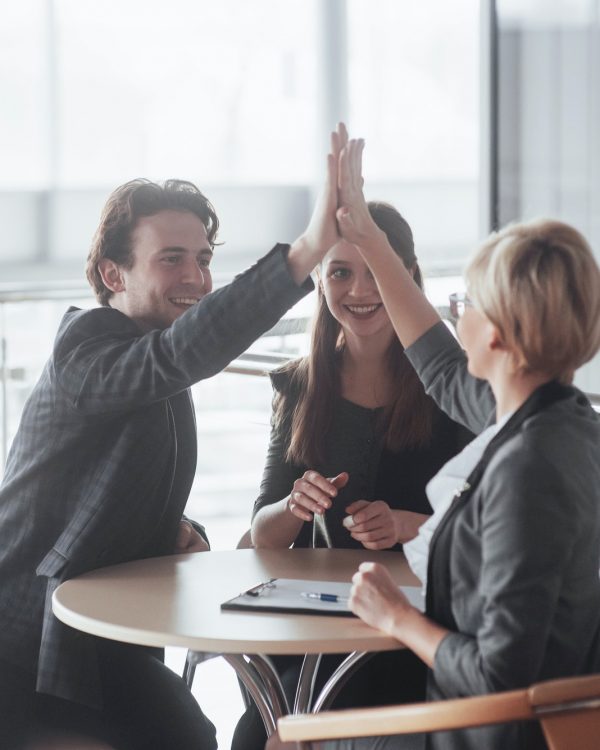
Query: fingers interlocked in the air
(354, 221)
(350, 179)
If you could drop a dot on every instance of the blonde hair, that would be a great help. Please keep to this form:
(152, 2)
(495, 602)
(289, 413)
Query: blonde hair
(539, 284)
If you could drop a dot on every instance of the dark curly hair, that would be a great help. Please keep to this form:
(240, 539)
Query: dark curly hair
(125, 206)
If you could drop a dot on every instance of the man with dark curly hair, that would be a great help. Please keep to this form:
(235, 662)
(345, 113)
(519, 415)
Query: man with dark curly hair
(103, 461)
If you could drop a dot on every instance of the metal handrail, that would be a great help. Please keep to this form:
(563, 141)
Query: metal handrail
(44, 291)
(249, 363)
(67, 289)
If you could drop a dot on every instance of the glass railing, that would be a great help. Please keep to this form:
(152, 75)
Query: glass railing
(232, 408)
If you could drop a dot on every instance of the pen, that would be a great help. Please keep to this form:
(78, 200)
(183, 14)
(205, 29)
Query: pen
(323, 597)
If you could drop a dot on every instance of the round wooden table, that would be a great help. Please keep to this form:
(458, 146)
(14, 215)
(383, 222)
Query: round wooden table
(176, 601)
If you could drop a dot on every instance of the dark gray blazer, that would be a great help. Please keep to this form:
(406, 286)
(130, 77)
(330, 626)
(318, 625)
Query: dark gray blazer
(88, 478)
(524, 556)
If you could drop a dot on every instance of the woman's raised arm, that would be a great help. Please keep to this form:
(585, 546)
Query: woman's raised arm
(409, 310)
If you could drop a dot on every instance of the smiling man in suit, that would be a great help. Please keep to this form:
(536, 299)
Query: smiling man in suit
(103, 461)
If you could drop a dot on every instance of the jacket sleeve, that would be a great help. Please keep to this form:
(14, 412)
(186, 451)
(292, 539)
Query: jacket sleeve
(441, 365)
(529, 528)
(102, 366)
(279, 474)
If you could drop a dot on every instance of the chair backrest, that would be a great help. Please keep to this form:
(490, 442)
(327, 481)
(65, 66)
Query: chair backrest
(567, 709)
(569, 712)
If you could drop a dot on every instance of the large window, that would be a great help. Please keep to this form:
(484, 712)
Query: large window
(219, 92)
(237, 95)
(549, 118)
(414, 94)
(233, 94)
(24, 97)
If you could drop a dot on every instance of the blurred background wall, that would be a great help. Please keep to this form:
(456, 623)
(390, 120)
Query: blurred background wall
(475, 114)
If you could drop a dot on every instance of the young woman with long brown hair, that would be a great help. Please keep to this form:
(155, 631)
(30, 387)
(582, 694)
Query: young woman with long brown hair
(354, 441)
(354, 436)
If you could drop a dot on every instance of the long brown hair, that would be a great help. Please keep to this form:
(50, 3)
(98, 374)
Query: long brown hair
(315, 381)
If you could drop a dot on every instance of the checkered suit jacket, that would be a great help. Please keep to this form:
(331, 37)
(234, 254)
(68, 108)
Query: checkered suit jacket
(86, 476)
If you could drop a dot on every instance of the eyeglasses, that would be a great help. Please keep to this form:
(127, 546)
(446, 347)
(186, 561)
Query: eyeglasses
(459, 301)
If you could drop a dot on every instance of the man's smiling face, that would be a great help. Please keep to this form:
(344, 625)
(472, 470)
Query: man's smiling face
(170, 272)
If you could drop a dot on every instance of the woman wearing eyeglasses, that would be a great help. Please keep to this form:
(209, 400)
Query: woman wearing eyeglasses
(511, 554)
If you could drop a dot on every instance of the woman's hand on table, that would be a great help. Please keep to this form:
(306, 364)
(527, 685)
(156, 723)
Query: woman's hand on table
(376, 598)
(312, 494)
(378, 601)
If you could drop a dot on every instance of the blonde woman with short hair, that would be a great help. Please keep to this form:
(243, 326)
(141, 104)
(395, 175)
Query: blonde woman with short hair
(511, 554)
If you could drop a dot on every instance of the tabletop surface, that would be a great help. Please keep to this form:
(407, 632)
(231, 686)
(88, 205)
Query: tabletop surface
(175, 601)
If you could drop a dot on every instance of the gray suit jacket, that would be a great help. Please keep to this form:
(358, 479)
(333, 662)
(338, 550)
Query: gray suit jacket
(89, 475)
(524, 556)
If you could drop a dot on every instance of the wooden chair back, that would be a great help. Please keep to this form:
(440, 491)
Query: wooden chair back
(569, 712)
(567, 709)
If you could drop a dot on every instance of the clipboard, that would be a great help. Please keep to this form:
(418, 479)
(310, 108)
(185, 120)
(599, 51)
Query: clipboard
(290, 595)
(286, 595)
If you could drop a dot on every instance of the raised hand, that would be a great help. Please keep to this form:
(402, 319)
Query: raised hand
(322, 229)
(312, 494)
(322, 232)
(350, 178)
(354, 220)
(409, 310)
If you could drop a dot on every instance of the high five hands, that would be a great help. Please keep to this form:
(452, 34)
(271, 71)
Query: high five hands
(355, 223)
(340, 210)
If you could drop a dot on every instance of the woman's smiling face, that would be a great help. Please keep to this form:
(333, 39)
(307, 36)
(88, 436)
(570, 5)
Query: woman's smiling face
(351, 292)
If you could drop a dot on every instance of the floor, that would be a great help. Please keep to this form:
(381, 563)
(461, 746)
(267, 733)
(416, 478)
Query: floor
(215, 685)
(217, 691)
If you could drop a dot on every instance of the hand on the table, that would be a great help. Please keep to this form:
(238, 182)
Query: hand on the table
(376, 598)
(312, 494)
(371, 523)
(189, 540)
